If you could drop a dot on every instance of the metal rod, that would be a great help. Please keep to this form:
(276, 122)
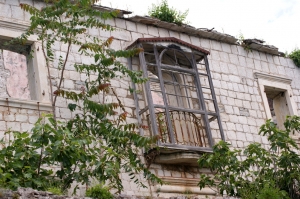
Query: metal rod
(201, 99)
(186, 147)
(184, 109)
(148, 92)
(143, 110)
(136, 99)
(162, 86)
(177, 68)
(186, 92)
(214, 97)
(175, 80)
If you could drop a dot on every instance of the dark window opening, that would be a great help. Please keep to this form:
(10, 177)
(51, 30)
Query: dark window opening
(278, 105)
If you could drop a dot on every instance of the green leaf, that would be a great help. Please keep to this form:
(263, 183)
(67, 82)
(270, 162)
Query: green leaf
(87, 145)
(72, 107)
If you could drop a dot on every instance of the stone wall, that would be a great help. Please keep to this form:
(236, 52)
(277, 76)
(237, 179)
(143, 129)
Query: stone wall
(28, 193)
(232, 68)
(233, 72)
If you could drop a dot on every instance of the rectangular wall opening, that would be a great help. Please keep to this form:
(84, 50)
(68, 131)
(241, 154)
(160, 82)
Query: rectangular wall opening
(278, 105)
(16, 75)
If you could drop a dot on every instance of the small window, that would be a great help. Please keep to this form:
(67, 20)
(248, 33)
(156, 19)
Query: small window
(278, 105)
(23, 72)
(14, 71)
(277, 97)
(178, 101)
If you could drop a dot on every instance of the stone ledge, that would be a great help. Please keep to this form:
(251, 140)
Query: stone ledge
(13, 24)
(259, 45)
(194, 190)
(273, 78)
(178, 158)
(33, 105)
(29, 193)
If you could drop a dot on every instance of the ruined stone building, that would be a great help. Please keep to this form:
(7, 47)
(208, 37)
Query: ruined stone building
(203, 87)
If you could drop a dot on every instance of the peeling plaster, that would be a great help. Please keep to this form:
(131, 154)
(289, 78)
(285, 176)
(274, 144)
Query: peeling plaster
(14, 75)
(4, 73)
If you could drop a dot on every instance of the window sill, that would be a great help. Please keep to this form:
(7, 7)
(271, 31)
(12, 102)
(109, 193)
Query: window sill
(187, 158)
(171, 155)
(181, 185)
(25, 104)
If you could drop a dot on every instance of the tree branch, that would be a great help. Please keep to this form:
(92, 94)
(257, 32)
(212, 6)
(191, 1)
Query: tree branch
(62, 72)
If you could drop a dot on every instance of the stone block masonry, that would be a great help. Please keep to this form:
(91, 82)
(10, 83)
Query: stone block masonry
(232, 68)
(28, 193)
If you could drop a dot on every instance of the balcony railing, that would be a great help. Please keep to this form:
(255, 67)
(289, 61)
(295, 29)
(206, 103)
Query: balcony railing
(187, 129)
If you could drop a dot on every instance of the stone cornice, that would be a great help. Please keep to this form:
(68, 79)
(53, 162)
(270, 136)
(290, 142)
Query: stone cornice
(23, 104)
(11, 24)
(273, 78)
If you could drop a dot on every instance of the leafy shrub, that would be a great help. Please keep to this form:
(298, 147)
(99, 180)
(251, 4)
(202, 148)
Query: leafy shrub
(96, 142)
(295, 56)
(164, 13)
(270, 191)
(19, 162)
(261, 173)
(99, 192)
(55, 190)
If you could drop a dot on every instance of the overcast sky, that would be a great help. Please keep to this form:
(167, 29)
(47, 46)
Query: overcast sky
(275, 21)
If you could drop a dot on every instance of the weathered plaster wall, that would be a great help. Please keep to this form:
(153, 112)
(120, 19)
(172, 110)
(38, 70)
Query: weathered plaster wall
(232, 69)
(4, 73)
(17, 82)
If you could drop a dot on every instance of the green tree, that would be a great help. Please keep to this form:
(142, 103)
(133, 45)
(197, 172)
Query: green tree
(97, 142)
(164, 13)
(257, 172)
